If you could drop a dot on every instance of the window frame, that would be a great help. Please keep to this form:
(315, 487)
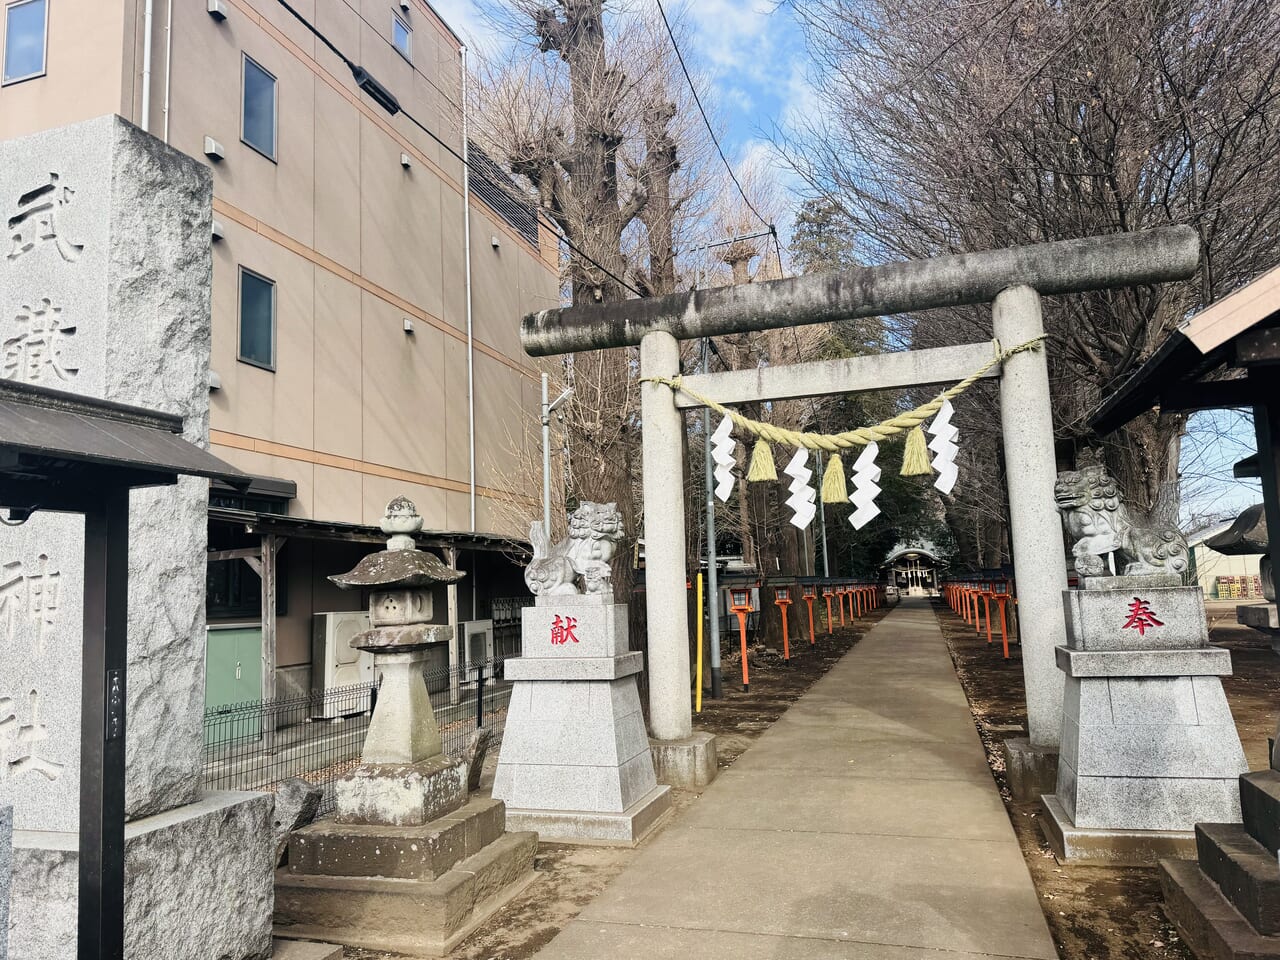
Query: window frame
(397, 20)
(4, 44)
(245, 60)
(240, 356)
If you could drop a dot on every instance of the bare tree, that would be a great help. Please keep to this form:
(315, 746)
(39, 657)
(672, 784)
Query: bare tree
(585, 106)
(973, 124)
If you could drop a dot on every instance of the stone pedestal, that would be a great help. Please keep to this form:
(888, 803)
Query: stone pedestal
(401, 795)
(420, 890)
(105, 276)
(403, 728)
(1149, 747)
(575, 762)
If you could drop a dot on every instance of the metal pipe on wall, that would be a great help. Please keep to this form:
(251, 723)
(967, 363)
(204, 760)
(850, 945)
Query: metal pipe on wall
(471, 346)
(168, 63)
(148, 10)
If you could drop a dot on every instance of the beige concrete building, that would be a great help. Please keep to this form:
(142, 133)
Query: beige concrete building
(351, 327)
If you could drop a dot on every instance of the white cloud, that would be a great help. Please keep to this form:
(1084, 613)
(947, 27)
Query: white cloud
(730, 34)
(466, 20)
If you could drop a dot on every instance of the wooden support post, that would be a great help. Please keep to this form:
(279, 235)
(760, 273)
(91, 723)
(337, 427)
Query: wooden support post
(1266, 426)
(457, 655)
(100, 934)
(270, 550)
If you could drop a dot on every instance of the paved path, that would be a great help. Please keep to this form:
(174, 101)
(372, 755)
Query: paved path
(863, 825)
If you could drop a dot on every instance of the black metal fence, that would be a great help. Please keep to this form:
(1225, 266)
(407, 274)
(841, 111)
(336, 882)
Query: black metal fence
(318, 737)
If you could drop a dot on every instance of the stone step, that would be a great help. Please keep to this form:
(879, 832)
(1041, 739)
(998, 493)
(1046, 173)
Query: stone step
(304, 950)
(427, 852)
(418, 917)
(1211, 927)
(1260, 807)
(1244, 870)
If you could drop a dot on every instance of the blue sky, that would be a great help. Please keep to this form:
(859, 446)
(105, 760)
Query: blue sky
(750, 54)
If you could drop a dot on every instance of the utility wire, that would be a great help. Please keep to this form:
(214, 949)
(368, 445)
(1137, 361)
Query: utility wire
(706, 120)
(317, 34)
(384, 98)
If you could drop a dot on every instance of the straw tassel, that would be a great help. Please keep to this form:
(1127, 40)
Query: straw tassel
(762, 467)
(915, 459)
(833, 488)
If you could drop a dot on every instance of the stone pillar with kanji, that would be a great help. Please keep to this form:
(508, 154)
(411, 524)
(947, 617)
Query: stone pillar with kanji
(1149, 746)
(575, 764)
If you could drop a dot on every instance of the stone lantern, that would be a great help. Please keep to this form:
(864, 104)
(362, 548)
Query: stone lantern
(410, 863)
(403, 728)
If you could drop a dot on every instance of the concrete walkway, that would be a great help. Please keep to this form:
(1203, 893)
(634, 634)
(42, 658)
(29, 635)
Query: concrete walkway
(863, 825)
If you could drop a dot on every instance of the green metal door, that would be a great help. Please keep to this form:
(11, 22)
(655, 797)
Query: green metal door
(233, 676)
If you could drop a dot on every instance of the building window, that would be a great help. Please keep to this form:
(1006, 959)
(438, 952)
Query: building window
(258, 116)
(257, 319)
(402, 36)
(25, 33)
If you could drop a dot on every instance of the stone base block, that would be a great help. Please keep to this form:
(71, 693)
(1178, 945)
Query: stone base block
(419, 917)
(689, 764)
(304, 950)
(1260, 616)
(397, 795)
(1111, 848)
(1174, 804)
(1148, 753)
(1211, 927)
(424, 852)
(1200, 662)
(1244, 870)
(197, 884)
(584, 826)
(1031, 771)
(574, 627)
(574, 745)
(1096, 616)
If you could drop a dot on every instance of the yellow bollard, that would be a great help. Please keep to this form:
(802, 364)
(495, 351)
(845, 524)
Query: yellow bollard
(698, 695)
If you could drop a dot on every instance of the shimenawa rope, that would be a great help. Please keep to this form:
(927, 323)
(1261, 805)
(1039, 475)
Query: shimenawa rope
(915, 462)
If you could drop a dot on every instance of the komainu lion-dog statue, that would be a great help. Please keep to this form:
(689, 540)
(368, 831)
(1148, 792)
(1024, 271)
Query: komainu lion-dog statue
(1102, 526)
(595, 529)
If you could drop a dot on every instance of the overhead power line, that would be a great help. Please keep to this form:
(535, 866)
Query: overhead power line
(387, 100)
(706, 120)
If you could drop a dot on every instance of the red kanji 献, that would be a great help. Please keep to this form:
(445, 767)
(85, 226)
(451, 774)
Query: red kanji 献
(1141, 617)
(562, 629)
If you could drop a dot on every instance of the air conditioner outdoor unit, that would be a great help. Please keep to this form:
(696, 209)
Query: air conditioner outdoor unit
(334, 662)
(477, 648)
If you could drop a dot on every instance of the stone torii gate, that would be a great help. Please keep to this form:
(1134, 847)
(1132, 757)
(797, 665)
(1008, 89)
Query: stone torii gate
(1011, 280)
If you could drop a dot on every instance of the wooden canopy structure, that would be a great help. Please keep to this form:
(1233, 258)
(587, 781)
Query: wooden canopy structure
(1225, 356)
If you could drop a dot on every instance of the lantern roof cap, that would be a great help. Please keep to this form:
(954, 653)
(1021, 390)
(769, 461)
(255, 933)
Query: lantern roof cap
(402, 564)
